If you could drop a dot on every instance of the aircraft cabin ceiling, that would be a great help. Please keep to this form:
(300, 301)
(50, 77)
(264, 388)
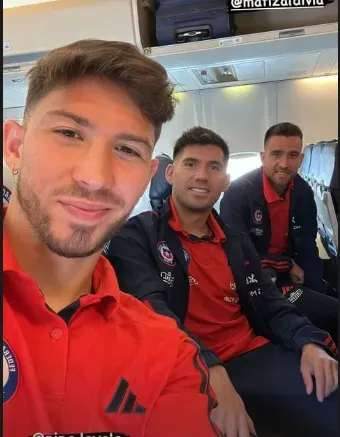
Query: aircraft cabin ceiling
(17, 3)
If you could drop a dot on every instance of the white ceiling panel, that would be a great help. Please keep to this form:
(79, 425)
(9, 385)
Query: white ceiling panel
(186, 80)
(291, 66)
(249, 70)
(335, 67)
(325, 62)
(14, 97)
(17, 3)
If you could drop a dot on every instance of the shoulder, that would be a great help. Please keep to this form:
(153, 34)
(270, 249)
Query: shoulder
(301, 186)
(249, 180)
(144, 218)
(143, 223)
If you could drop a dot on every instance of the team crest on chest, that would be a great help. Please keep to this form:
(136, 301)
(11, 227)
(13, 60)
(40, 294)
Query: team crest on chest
(165, 254)
(10, 373)
(258, 216)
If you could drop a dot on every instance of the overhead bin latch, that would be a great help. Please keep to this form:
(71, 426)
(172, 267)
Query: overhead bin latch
(190, 34)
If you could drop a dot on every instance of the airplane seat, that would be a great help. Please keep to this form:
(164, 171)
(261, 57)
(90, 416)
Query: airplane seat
(314, 169)
(160, 189)
(326, 197)
(305, 166)
(334, 186)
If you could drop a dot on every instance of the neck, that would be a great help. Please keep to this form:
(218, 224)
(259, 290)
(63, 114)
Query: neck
(193, 222)
(61, 280)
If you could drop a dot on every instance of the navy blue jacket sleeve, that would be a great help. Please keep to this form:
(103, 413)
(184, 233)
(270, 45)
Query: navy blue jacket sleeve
(235, 212)
(307, 250)
(288, 326)
(138, 276)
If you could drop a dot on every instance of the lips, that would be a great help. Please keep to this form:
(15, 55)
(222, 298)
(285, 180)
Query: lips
(84, 211)
(199, 190)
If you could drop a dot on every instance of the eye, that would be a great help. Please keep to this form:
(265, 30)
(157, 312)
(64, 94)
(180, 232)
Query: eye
(69, 133)
(128, 151)
(215, 167)
(189, 164)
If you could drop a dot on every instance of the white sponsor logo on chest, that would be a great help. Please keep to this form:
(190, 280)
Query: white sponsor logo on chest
(251, 279)
(168, 278)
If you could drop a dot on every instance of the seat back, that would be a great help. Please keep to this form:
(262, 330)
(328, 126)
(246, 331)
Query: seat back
(314, 169)
(305, 166)
(326, 196)
(160, 189)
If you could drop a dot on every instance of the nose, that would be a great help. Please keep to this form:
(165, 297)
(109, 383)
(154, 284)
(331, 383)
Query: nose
(93, 170)
(201, 174)
(283, 163)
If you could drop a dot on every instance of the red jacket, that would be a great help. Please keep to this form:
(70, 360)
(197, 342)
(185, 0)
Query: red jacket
(116, 367)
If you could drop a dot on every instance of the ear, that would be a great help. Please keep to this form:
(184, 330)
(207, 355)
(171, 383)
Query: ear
(262, 155)
(301, 159)
(226, 184)
(154, 167)
(169, 173)
(13, 135)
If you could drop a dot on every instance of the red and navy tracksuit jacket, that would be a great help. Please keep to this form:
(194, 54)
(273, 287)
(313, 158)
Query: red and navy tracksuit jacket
(244, 208)
(134, 252)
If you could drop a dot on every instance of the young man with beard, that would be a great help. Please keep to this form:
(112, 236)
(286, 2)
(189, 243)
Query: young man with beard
(183, 261)
(79, 356)
(276, 208)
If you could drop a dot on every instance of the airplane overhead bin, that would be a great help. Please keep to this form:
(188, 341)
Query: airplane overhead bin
(267, 45)
(31, 31)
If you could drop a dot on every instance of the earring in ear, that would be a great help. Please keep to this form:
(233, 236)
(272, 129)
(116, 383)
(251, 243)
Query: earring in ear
(14, 174)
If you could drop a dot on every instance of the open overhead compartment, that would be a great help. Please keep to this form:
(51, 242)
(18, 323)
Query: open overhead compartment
(278, 52)
(30, 31)
(243, 59)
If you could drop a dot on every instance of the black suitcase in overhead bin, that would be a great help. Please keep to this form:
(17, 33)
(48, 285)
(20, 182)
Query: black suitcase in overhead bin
(180, 21)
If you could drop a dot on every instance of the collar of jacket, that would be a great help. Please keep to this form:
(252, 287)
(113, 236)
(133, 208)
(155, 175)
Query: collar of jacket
(170, 236)
(254, 178)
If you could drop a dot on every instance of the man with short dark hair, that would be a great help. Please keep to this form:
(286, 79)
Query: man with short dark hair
(276, 208)
(80, 357)
(192, 268)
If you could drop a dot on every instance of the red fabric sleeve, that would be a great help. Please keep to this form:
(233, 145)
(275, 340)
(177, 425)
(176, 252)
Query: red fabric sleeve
(183, 409)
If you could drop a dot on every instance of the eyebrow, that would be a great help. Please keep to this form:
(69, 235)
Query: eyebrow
(82, 121)
(283, 151)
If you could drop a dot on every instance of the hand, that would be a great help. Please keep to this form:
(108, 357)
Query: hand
(297, 274)
(230, 415)
(315, 361)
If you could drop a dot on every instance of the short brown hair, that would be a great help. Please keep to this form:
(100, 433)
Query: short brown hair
(144, 80)
(198, 135)
(285, 129)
